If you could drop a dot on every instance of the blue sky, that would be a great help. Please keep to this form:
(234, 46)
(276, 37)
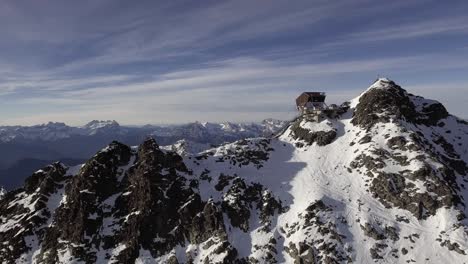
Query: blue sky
(142, 62)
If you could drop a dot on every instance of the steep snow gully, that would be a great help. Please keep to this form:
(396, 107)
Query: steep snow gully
(382, 182)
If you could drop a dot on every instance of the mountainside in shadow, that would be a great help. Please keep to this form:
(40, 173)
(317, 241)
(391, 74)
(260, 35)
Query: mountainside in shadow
(383, 181)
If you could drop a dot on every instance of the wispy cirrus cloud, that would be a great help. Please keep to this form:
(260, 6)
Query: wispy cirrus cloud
(413, 29)
(243, 85)
(176, 61)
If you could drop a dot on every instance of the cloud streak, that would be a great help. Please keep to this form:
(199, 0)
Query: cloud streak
(172, 62)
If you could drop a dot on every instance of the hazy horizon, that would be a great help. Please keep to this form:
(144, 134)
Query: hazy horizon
(175, 62)
(140, 125)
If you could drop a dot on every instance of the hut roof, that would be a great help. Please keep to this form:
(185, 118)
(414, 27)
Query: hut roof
(306, 97)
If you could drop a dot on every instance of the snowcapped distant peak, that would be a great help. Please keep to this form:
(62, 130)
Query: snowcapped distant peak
(203, 132)
(227, 126)
(54, 125)
(186, 148)
(96, 124)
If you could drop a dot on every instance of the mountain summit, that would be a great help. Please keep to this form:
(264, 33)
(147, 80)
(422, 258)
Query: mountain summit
(383, 180)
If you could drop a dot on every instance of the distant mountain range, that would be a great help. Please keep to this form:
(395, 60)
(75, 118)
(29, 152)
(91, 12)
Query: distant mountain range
(23, 148)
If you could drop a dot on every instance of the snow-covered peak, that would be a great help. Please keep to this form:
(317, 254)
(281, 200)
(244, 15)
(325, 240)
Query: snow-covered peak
(54, 125)
(386, 101)
(99, 124)
(380, 83)
(186, 147)
(101, 127)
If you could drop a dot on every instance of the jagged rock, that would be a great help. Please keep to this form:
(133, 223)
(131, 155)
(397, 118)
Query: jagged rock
(378, 233)
(96, 182)
(238, 153)
(207, 222)
(241, 198)
(322, 138)
(223, 181)
(318, 216)
(453, 246)
(365, 139)
(397, 142)
(386, 101)
(29, 207)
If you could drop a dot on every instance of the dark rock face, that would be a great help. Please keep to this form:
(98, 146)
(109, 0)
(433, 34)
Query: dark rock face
(379, 105)
(397, 189)
(322, 138)
(243, 153)
(379, 233)
(45, 180)
(453, 246)
(131, 201)
(391, 189)
(154, 182)
(432, 113)
(388, 102)
(96, 182)
(236, 203)
(392, 103)
(223, 181)
(241, 198)
(319, 217)
(397, 142)
(32, 207)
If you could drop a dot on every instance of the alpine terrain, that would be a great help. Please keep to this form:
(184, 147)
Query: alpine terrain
(25, 148)
(383, 180)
